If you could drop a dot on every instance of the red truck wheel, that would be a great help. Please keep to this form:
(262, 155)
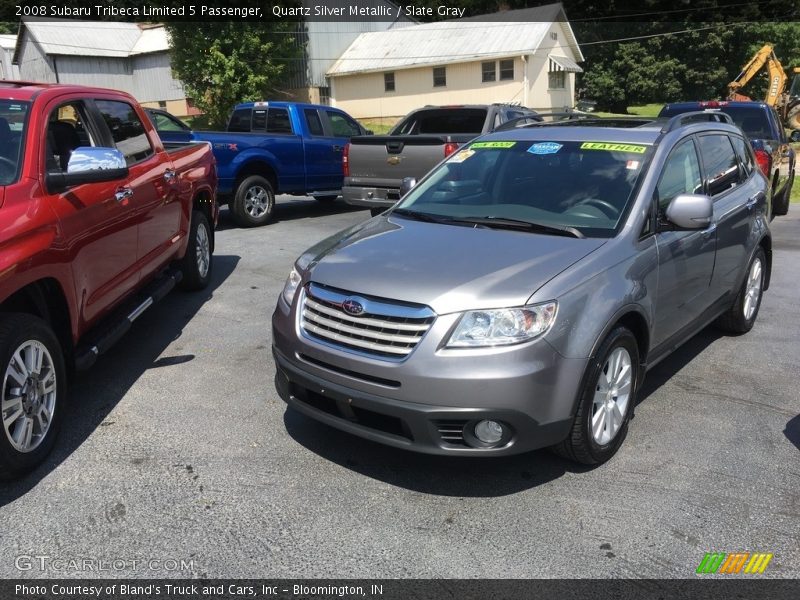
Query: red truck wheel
(197, 262)
(253, 202)
(33, 392)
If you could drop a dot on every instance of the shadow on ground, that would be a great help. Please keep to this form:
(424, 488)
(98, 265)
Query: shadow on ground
(288, 208)
(465, 477)
(94, 394)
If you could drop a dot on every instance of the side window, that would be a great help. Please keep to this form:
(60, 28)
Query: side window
(343, 126)
(240, 120)
(681, 175)
(313, 122)
(722, 170)
(278, 121)
(66, 130)
(126, 129)
(745, 156)
(164, 123)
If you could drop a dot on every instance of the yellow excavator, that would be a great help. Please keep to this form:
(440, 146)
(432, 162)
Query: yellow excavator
(786, 103)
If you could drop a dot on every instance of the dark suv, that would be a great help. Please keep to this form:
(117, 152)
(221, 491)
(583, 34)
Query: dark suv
(516, 296)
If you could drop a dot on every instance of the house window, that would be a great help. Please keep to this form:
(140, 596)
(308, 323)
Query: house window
(554, 36)
(388, 82)
(506, 69)
(488, 71)
(325, 95)
(162, 104)
(557, 80)
(439, 77)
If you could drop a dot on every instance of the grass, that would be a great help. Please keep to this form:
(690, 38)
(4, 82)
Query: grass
(380, 125)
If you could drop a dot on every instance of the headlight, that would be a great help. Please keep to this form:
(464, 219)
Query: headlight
(503, 326)
(290, 287)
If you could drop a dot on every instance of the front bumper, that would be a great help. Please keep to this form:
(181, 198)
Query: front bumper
(431, 401)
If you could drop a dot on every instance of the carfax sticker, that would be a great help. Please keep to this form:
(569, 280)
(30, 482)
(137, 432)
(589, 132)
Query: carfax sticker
(611, 147)
(493, 145)
(461, 156)
(544, 148)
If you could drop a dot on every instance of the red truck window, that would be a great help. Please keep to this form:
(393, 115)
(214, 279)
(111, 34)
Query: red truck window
(66, 130)
(12, 133)
(126, 129)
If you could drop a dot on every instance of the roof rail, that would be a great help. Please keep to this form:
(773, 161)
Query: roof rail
(677, 120)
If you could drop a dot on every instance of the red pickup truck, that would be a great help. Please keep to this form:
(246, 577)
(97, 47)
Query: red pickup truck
(98, 220)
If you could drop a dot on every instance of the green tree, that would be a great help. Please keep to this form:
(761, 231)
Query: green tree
(8, 27)
(223, 63)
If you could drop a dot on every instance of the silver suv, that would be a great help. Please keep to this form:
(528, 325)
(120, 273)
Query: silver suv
(516, 296)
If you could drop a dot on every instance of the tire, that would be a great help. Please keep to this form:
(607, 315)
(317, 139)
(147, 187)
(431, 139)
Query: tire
(780, 207)
(742, 314)
(253, 202)
(26, 440)
(793, 117)
(196, 265)
(608, 409)
(326, 199)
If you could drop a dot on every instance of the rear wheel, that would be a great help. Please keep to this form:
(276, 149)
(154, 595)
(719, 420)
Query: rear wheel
(33, 392)
(606, 402)
(780, 206)
(253, 202)
(197, 262)
(741, 316)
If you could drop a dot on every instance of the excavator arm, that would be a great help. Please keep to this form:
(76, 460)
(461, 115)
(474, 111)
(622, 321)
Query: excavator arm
(777, 76)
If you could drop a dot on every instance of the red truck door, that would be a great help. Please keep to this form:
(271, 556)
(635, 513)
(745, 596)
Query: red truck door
(98, 227)
(152, 184)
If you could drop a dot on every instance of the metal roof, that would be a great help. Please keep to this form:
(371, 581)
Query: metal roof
(462, 40)
(8, 41)
(562, 63)
(94, 38)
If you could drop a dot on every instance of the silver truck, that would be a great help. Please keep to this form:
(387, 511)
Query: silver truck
(375, 165)
(515, 298)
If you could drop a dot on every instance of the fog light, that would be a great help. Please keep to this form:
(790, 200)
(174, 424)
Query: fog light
(489, 432)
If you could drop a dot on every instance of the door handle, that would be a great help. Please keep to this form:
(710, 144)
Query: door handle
(122, 195)
(169, 175)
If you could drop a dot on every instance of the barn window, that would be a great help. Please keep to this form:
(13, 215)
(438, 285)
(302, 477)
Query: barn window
(388, 82)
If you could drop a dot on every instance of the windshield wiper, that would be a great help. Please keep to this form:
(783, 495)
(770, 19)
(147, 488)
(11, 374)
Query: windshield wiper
(503, 223)
(421, 216)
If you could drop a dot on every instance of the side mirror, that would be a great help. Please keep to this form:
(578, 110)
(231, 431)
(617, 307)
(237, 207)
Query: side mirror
(406, 184)
(89, 165)
(690, 211)
(795, 135)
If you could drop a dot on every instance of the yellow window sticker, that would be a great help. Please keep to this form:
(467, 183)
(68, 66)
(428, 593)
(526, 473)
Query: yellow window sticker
(493, 145)
(461, 156)
(613, 147)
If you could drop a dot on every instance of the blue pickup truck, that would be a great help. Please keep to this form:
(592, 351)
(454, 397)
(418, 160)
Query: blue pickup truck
(272, 148)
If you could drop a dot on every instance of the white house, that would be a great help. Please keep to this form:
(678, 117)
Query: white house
(526, 56)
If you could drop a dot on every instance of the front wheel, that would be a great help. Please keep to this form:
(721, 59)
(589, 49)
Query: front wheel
(196, 264)
(606, 401)
(741, 316)
(33, 392)
(253, 202)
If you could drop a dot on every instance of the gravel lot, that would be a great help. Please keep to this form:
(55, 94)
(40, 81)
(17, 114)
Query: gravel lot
(177, 448)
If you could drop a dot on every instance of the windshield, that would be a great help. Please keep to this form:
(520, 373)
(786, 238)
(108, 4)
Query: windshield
(585, 186)
(12, 134)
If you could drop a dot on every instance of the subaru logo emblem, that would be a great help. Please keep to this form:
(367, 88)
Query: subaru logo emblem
(353, 307)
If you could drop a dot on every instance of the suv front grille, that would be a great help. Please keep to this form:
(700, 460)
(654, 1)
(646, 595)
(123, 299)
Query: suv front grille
(386, 329)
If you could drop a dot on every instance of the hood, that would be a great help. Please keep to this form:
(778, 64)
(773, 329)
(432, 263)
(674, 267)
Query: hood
(447, 267)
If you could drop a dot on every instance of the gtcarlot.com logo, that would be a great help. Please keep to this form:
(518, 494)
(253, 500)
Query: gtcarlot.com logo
(738, 562)
(39, 562)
